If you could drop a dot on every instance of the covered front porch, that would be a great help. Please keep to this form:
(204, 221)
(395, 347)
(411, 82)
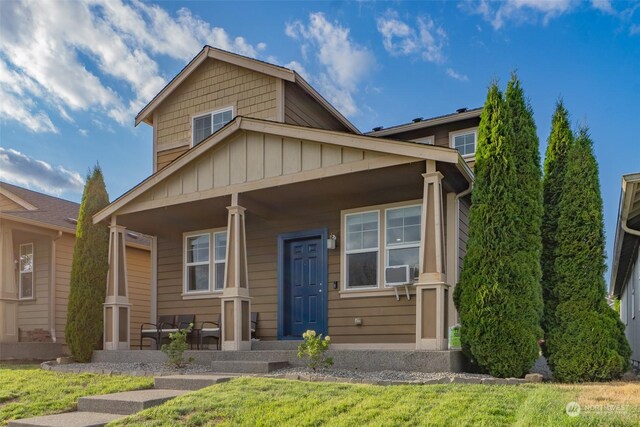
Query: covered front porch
(305, 248)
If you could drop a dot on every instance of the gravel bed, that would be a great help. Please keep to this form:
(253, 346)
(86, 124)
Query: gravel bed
(378, 376)
(132, 368)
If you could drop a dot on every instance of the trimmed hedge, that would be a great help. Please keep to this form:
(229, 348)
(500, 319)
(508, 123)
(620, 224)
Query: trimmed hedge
(587, 341)
(83, 331)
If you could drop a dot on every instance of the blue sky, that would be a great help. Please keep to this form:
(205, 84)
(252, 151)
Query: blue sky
(74, 74)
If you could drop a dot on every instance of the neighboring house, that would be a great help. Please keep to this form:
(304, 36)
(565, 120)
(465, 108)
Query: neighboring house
(265, 199)
(625, 272)
(37, 235)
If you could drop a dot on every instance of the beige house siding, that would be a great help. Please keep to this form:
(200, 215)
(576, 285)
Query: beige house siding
(139, 274)
(463, 232)
(6, 204)
(64, 256)
(385, 320)
(212, 86)
(167, 156)
(34, 314)
(301, 109)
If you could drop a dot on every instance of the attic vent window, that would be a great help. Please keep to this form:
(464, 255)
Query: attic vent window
(132, 235)
(72, 220)
(207, 124)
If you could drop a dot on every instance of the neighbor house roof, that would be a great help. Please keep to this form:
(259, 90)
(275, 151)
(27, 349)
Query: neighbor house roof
(421, 123)
(627, 232)
(240, 123)
(242, 61)
(51, 212)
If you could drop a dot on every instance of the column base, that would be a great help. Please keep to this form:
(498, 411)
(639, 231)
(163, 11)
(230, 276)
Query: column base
(8, 320)
(117, 321)
(236, 323)
(432, 316)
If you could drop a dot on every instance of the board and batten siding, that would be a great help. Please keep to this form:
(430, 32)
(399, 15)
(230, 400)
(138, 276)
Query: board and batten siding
(252, 156)
(214, 85)
(6, 204)
(630, 308)
(64, 257)
(301, 109)
(34, 314)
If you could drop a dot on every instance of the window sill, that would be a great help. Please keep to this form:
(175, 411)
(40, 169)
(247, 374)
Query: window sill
(202, 295)
(365, 293)
(27, 300)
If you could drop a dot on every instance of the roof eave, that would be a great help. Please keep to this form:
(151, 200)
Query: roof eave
(470, 114)
(628, 181)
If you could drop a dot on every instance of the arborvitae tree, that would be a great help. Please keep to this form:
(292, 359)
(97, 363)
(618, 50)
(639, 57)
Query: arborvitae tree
(555, 166)
(496, 334)
(587, 341)
(83, 331)
(523, 137)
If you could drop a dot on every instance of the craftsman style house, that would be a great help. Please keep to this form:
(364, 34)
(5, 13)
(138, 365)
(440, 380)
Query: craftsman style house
(265, 199)
(37, 234)
(625, 271)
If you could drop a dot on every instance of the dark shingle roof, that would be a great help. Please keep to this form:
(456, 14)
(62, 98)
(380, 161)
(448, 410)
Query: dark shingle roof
(54, 211)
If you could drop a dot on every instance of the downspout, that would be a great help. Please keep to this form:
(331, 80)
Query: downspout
(52, 292)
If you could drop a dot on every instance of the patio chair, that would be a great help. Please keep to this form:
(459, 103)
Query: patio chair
(210, 330)
(156, 331)
(254, 324)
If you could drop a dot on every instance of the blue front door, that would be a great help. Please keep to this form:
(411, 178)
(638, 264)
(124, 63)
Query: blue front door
(303, 291)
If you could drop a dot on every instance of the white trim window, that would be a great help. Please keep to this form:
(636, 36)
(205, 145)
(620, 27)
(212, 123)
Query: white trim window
(464, 141)
(219, 259)
(402, 231)
(25, 271)
(362, 252)
(204, 125)
(197, 265)
(428, 140)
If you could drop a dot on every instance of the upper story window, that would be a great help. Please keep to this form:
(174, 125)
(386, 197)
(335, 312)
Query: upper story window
(464, 141)
(206, 124)
(26, 271)
(204, 261)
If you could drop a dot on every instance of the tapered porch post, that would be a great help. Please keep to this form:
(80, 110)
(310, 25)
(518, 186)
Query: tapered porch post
(432, 288)
(8, 288)
(117, 310)
(235, 301)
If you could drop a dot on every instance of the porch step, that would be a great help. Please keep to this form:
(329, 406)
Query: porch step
(247, 367)
(127, 402)
(187, 382)
(69, 419)
(275, 345)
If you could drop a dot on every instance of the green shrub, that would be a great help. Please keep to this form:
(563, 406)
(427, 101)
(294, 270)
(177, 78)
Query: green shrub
(587, 341)
(83, 331)
(313, 348)
(176, 348)
(555, 167)
(499, 330)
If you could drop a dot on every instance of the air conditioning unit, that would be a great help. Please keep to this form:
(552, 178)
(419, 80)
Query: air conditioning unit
(398, 275)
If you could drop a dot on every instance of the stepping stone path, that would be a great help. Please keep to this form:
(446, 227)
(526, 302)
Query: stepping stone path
(97, 411)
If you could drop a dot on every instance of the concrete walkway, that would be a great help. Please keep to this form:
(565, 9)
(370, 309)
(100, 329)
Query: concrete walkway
(95, 411)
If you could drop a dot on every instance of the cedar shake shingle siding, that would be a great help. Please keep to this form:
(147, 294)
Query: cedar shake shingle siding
(214, 85)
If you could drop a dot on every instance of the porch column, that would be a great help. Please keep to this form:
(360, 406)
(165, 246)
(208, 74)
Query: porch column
(432, 288)
(8, 288)
(117, 310)
(235, 301)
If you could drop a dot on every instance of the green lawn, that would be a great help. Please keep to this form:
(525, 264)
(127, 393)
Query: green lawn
(270, 402)
(27, 391)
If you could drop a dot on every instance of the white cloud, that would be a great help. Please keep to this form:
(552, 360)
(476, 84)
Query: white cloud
(344, 63)
(75, 51)
(603, 6)
(21, 169)
(635, 29)
(299, 68)
(83, 132)
(498, 13)
(457, 76)
(399, 38)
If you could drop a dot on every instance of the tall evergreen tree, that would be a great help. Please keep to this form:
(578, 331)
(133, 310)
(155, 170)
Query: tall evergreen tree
(83, 331)
(555, 166)
(523, 137)
(496, 334)
(586, 342)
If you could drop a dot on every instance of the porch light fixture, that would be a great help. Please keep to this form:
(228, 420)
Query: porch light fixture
(331, 241)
